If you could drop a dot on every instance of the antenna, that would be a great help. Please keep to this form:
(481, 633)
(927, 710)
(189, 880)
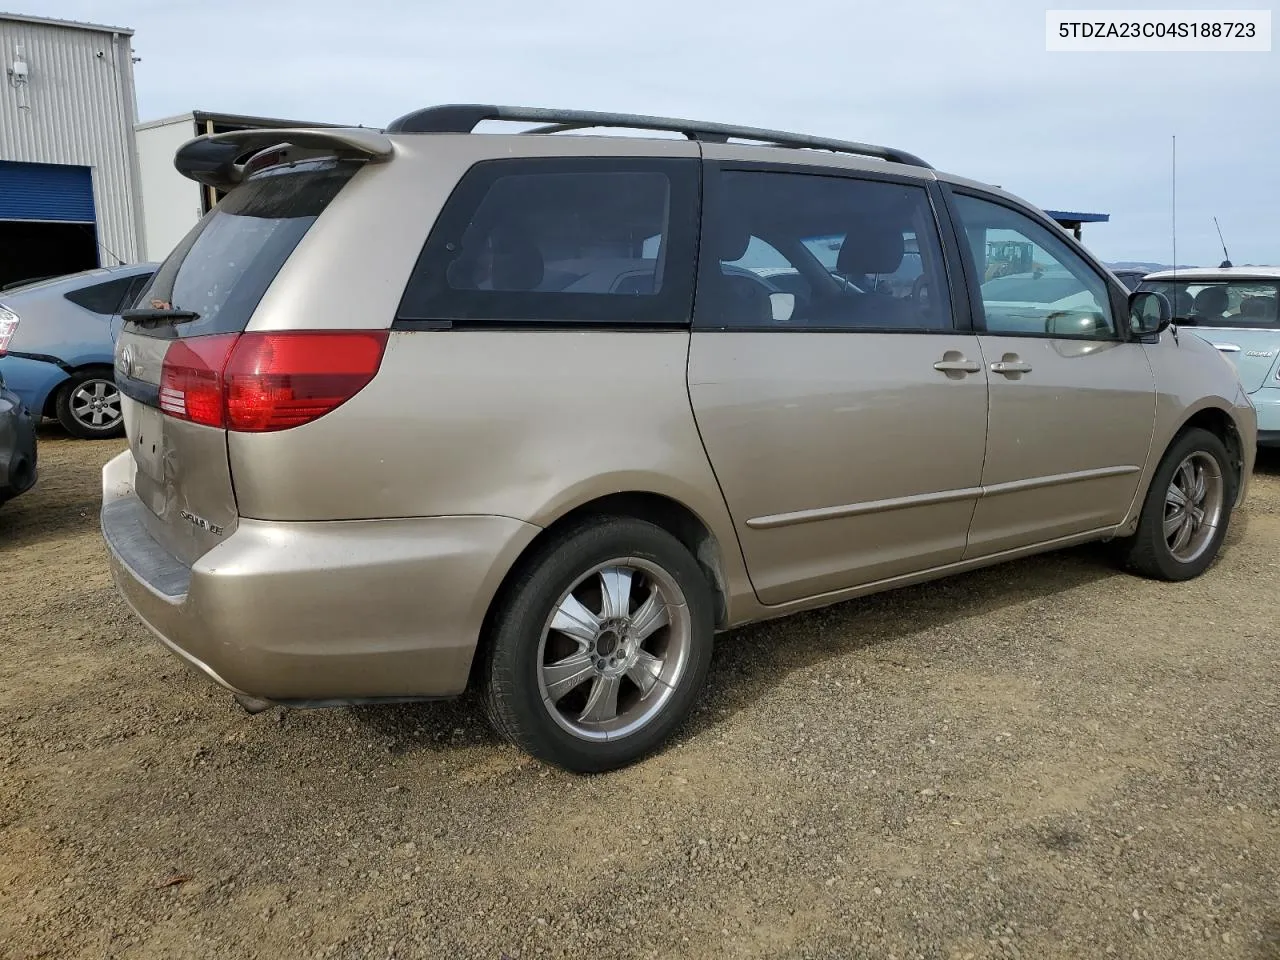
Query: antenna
(1173, 212)
(1226, 257)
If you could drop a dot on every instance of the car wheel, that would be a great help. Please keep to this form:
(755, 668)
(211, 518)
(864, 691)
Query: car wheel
(88, 406)
(598, 649)
(1188, 507)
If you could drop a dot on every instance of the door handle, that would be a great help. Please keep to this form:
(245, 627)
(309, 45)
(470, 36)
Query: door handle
(958, 366)
(1010, 367)
(1227, 347)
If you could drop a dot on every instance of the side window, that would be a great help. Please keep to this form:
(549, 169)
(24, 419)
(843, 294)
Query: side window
(1031, 281)
(561, 240)
(819, 252)
(102, 298)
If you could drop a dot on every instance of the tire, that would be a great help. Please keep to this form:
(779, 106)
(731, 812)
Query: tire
(623, 639)
(1150, 551)
(88, 406)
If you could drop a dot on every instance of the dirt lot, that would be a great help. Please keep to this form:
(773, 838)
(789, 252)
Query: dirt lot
(1048, 759)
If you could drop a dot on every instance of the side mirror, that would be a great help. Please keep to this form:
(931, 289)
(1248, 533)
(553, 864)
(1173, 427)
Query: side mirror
(1149, 312)
(783, 306)
(1066, 323)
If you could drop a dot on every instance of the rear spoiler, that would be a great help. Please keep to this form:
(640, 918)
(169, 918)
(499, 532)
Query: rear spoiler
(219, 159)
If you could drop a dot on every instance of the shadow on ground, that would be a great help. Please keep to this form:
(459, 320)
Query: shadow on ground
(749, 661)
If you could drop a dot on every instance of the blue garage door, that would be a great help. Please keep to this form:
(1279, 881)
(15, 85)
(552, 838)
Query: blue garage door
(46, 191)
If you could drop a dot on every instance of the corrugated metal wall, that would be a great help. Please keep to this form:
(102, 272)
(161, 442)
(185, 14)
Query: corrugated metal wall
(77, 107)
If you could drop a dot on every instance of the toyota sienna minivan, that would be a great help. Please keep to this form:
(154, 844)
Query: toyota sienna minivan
(427, 408)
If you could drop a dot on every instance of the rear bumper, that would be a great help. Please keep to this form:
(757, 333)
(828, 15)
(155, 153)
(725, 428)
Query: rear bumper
(17, 446)
(317, 613)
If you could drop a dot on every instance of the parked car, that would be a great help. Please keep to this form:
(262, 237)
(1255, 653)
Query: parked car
(452, 414)
(1234, 309)
(17, 445)
(57, 340)
(1130, 277)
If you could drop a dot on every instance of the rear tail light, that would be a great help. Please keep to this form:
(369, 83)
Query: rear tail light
(8, 327)
(259, 382)
(279, 380)
(191, 386)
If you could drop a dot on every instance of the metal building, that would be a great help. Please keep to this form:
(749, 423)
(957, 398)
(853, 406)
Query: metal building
(69, 196)
(172, 204)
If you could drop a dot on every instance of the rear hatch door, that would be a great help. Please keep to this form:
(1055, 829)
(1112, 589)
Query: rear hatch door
(171, 348)
(1254, 352)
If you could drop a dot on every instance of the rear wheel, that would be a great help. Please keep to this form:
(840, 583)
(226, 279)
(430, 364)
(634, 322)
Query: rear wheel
(599, 648)
(1188, 508)
(88, 406)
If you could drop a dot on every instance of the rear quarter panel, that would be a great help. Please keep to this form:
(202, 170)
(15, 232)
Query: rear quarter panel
(527, 424)
(1255, 352)
(522, 424)
(51, 325)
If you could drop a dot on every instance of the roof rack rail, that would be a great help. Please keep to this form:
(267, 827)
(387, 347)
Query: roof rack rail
(465, 117)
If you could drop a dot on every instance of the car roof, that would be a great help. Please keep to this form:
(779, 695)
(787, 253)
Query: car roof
(1218, 273)
(83, 278)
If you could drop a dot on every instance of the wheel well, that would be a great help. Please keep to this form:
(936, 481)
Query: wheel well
(1219, 423)
(671, 515)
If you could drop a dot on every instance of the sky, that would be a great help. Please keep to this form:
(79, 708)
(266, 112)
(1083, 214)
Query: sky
(968, 86)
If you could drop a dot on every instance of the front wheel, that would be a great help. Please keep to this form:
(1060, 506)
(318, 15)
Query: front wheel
(600, 647)
(88, 406)
(1188, 507)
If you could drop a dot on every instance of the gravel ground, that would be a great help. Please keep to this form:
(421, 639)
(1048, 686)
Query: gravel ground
(1048, 759)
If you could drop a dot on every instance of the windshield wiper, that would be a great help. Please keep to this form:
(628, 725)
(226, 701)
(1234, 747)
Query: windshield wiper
(150, 316)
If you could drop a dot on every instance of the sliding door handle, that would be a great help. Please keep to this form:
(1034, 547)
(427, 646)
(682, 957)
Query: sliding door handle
(1010, 366)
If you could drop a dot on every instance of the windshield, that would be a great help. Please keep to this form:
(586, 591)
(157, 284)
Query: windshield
(1225, 303)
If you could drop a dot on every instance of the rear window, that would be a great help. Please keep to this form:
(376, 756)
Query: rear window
(558, 240)
(222, 268)
(1235, 303)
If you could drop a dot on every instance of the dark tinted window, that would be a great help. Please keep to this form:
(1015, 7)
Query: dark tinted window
(104, 298)
(131, 295)
(809, 251)
(224, 265)
(558, 240)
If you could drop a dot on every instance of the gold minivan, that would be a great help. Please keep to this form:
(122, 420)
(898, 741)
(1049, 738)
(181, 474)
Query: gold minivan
(423, 408)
